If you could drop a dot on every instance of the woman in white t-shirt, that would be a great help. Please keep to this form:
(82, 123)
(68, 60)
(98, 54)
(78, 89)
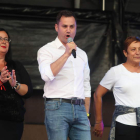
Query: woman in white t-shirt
(124, 80)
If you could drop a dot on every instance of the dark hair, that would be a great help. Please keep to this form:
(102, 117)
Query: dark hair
(129, 40)
(64, 13)
(8, 56)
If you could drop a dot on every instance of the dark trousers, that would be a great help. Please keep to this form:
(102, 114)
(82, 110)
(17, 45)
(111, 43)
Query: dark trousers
(126, 132)
(10, 130)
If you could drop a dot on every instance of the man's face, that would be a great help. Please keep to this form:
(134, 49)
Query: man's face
(66, 28)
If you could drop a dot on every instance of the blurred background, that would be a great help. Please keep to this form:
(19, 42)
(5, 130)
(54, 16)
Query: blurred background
(102, 28)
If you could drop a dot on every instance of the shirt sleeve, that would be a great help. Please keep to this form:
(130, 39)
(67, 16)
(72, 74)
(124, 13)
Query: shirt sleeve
(109, 79)
(87, 87)
(44, 60)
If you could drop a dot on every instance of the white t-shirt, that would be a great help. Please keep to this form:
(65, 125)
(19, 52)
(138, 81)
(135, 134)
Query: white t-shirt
(126, 90)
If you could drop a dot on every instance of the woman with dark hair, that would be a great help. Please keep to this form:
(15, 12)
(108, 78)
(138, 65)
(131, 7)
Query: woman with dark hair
(15, 84)
(124, 80)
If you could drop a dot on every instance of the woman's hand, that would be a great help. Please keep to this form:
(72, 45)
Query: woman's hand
(98, 129)
(12, 81)
(5, 75)
(22, 89)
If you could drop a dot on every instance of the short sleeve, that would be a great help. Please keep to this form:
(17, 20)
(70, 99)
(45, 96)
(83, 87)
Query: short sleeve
(109, 79)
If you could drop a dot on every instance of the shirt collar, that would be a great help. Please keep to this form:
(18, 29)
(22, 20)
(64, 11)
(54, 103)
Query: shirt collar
(58, 43)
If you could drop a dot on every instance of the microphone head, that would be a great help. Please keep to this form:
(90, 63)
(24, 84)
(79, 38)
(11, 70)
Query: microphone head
(69, 40)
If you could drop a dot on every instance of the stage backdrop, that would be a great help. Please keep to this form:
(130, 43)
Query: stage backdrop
(29, 31)
(32, 27)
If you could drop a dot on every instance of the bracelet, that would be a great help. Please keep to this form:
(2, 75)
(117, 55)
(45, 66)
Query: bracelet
(15, 87)
(88, 114)
(18, 87)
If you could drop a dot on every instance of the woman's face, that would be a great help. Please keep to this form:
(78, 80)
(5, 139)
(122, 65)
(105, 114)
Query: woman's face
(133, 52)
(4, 42)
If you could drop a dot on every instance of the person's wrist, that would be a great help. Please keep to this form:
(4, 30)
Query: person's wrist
(17, 86)
(1, 83)
(1, 79)
(66, 54)
(98, 122)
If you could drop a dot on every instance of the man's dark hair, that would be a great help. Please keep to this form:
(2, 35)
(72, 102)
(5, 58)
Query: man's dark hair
(64, 13)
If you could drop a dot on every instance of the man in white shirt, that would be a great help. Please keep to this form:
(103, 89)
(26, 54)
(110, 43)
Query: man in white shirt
(67, 88)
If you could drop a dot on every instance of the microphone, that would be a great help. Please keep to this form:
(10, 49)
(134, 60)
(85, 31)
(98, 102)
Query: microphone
(73, 51)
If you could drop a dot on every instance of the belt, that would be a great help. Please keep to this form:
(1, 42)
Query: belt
(71, 101)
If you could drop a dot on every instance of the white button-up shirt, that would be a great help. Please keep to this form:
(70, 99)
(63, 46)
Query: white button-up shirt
(72, 80)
